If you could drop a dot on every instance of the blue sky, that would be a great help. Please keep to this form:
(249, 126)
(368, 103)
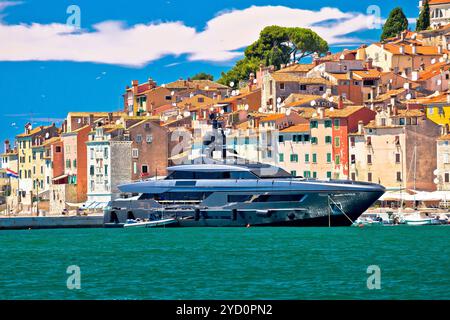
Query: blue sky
(87, 70)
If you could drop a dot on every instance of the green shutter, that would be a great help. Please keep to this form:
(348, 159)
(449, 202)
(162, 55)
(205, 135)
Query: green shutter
(328, 157)
(314, 158)
(281, 155)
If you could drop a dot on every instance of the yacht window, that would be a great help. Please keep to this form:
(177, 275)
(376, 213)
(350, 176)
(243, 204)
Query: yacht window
(190, 175)
(279, 198)
(239, 197)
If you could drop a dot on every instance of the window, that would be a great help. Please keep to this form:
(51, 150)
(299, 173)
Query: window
(67, 164)
(321, 89)
(281, 85)
(138, 138)
(337, 123)
(337, 142)
(314, 158)
(446, 158)
(91, 170)
(397, 158)
(369, 176)
(144, 169)
(328, 157)
(369, 141)
(402, 121)
(337, 159)
(313, 140)
(328, 139)
(328, 123)
(328, 174)
(201, 99)
(307, 158)
(353, 176)
(397, 140)
(399, 176)
(307, 174)
(91, 150)
(294, 157)
(106, 169)
(134, 167)
(314, 124)
(302, 87)
(135, 153)
(294, 173)
(369, 159)
(352, 159)
(75, 163)
(281, 157)
(149, 138)
(447, 177)
(314, 175)
(280, 138)
(247, 140)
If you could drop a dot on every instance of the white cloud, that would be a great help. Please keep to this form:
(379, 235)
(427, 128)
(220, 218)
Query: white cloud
(112, 42)
(5, 4)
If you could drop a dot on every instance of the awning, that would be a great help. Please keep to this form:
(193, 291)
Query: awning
(94, 205)
(60, 177)
(75, 205)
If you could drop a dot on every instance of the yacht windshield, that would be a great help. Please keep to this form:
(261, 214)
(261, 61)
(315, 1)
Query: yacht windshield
(215, 175)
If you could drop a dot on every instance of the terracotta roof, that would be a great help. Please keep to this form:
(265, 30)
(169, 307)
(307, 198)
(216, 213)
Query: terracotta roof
(339, 76)
(445, 137)
(192, 84)
(195, 103)
(368, 74)
(437, 2)
(421, 50)
(298, 67)
(305, 112)
(33, 131)
(387, 95)
(96, 114)
(440, 98)
(409, 113)
(51, 141)
(302, 99)
(234, 98)
(433, 70)
(291, 77)
(273, 117)
(341, 113)
(304, 127)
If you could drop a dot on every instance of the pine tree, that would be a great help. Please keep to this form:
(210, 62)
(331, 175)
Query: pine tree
(423, 23)
(396, 23)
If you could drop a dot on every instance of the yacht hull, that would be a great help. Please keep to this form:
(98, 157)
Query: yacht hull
(315, 210)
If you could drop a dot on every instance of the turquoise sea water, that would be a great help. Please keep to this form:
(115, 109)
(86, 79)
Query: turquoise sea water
(227, 263)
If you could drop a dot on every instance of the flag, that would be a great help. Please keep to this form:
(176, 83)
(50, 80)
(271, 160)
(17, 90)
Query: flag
(12, 174)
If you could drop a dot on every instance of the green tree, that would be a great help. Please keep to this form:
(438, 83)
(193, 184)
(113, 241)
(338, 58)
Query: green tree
(275, 46)
(396, 23)
(203, 76)
(423, 22)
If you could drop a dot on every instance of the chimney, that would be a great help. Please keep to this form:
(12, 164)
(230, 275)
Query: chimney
(28, 128)
(393, 100)
(7, 146)
(369, 64)
(448, 97)
(402, 49)
(110, 117)
(402, 35)
(414, 49)
(340, 103)
(320, 111)
(383, 46)
(360, 126)
(64, 126)
(151, 83)
(372, 93)
(445, 129)
(91, 119)
(440, 49)
(415, 76)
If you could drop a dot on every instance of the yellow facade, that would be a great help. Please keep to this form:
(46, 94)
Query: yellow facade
(439, 114)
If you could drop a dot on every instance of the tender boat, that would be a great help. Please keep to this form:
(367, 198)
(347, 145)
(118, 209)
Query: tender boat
(150, 224)
(224, 195)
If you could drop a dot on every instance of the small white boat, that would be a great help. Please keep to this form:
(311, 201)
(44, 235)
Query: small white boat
(149, 224)
(417, 220)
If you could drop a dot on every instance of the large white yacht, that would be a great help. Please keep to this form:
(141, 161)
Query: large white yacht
(222, 195)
